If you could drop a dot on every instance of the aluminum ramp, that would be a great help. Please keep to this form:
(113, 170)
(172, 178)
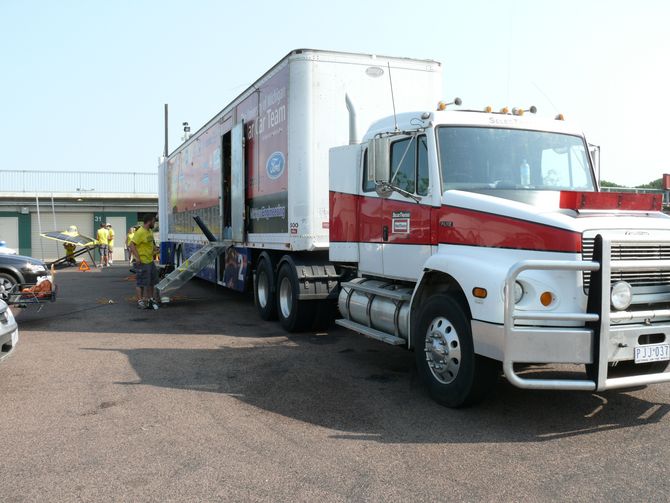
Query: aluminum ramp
(189, 268)
(193, 265)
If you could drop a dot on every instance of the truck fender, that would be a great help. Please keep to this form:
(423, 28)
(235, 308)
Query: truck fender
(319, 278)
(458, 276)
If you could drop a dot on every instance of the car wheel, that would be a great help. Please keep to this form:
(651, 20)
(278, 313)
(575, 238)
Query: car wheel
(7, 284)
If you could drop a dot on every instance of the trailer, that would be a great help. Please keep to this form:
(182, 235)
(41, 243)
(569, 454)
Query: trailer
(477, 238)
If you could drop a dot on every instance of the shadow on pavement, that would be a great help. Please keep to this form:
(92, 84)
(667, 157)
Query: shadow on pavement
(83, 305)
(366, 394)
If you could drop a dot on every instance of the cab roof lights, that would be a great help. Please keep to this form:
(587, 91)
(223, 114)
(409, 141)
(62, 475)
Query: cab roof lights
(443, 105)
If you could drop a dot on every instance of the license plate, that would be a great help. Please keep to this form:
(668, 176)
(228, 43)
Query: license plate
(652, 353)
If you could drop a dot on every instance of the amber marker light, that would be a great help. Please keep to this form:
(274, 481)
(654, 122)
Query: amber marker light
(488, 109)
(546, 298)
(560, 117)
(480, 293)
(441, 106)
(504, 110)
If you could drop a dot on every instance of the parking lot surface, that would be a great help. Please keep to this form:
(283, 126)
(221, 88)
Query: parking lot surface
(203, 401)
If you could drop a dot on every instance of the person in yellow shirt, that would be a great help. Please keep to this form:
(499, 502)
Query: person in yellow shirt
(129, 237)
(110, 244)
(71, 247)
(143, 246)
(103, 242)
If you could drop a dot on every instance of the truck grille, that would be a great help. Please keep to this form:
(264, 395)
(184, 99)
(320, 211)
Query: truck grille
(633, 251)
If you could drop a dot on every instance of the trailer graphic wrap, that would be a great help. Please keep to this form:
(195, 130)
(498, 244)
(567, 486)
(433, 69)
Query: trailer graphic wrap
(194, 184)
(265, 114)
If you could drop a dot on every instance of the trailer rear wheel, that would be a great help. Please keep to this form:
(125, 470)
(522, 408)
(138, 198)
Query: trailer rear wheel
(294, 315)
(264, 291)
(445, 356)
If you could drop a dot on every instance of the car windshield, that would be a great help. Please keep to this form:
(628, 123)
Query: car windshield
(481, 158)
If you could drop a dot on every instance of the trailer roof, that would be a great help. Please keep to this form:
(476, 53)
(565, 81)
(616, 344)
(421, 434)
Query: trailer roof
(294, 52)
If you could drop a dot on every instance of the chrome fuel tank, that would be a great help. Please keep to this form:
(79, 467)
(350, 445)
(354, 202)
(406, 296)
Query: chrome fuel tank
(377, 304)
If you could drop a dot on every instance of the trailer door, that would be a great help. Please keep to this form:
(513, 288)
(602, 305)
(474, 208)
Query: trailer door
(237, 183)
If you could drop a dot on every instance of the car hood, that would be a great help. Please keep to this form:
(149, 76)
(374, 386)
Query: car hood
(19, 260)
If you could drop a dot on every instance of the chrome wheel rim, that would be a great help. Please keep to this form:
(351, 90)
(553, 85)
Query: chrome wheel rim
(263, 289)
(285, 297)
(6, 286)
(443, 350)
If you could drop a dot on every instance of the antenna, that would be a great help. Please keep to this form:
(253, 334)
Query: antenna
(395, 119)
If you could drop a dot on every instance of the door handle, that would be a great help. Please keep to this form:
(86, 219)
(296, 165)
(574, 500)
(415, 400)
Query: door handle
(385, 233)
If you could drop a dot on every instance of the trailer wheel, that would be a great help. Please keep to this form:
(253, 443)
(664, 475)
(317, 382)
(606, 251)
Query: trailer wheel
(264, 291)
(7, 284)
(445, 357)
(294, 315)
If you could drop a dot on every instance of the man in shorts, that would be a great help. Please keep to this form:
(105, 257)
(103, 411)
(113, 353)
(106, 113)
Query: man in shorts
(103, 241)
(110, 244)
(142, 247)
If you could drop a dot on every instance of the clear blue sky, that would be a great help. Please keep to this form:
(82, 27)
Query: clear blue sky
(83, 83)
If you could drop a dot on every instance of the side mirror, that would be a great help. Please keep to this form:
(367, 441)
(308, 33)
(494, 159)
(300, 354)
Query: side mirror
(379, 160)
(594, 150)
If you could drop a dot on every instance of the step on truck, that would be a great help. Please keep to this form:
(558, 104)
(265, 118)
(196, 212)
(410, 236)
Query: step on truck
(478, 239)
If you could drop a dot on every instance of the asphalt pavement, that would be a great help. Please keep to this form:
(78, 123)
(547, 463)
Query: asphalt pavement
(203, 401)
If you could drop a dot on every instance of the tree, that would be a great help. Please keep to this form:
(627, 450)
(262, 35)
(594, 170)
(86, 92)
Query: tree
(655, 184)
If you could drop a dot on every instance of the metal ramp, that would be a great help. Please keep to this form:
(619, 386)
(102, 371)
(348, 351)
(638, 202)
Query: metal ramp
(193, 265)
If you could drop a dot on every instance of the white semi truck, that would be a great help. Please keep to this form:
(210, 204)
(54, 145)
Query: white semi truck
(475, 238)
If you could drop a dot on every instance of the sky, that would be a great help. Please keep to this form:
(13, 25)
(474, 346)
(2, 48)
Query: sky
(83, 83)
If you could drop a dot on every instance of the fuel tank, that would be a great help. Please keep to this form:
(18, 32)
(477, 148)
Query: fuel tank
(381, 305)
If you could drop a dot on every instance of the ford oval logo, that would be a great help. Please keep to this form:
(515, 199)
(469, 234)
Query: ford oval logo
(275, 165)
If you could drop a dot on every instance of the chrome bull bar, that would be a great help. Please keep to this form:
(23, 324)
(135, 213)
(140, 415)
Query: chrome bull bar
(590, 344)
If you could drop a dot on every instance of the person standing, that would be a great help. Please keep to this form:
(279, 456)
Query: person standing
(110, 244)
(129, 237)
(103, 242)
(143, 247)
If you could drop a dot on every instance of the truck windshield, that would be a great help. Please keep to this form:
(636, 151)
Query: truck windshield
(480, 158)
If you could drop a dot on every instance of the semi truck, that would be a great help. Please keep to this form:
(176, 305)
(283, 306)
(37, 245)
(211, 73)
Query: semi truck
(479, 239)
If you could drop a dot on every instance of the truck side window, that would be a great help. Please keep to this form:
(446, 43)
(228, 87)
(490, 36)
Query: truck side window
(368, 185)
(403, 164)
(422, 177)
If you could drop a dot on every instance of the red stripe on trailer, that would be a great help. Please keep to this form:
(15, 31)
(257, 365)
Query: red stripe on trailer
(610, 201)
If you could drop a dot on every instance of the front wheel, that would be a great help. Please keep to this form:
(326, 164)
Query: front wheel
(446, 362)
(7, 284)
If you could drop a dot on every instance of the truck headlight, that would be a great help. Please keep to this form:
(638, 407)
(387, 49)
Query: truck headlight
(622, 295)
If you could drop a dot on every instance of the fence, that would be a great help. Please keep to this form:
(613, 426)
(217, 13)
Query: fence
(635, 190)
(78, 182)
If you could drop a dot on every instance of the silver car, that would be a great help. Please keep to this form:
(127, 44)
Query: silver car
(9, 331)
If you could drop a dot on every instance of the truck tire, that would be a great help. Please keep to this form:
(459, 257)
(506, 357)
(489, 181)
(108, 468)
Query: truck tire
(294, 315)
(445, 358)
(264, 291)
(7, 283)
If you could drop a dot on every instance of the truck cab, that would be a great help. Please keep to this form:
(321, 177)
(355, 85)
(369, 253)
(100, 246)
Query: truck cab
(481, 238)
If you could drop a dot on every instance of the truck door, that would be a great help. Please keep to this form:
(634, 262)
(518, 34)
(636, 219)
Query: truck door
(370, 226)
(406, 222)
(237, 183)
